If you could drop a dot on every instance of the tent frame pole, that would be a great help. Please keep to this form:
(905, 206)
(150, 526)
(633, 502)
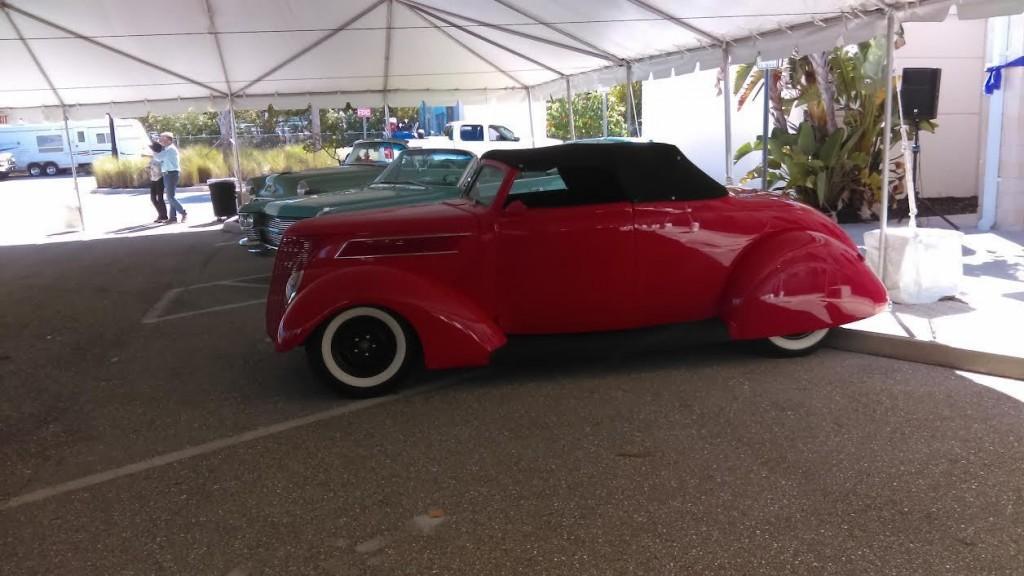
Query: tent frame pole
(74, 167)
(63, 109)
(890, 48)
(630, 104)
(529, 106)
(568, 103)
(727, 93)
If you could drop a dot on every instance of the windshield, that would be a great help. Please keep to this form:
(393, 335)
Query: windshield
(426, 168)
(376, 153)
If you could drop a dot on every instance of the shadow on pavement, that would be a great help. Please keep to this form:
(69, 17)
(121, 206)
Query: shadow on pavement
(208, 224)
(137, 228)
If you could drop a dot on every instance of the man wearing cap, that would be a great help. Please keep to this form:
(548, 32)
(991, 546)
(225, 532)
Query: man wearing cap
(168, 158)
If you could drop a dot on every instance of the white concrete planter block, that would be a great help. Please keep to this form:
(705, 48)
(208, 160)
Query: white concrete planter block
(922, 265)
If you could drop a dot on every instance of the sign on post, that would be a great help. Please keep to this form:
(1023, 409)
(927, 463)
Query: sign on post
(363, 112)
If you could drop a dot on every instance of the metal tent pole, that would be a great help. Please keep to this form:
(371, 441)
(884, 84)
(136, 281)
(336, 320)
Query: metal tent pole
(604, 112)
(727, 92)
(74, 167)
(890, 46)
(630, 105)
(529, 106)
(568, 101)
(767, 93)
(234, 148)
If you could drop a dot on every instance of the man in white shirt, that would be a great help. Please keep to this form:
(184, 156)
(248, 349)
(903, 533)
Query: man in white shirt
(170, 168)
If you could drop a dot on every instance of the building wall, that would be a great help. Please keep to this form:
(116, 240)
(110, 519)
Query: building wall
(951, 157)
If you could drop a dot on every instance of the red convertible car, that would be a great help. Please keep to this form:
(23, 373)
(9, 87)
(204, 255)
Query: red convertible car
(575, 238)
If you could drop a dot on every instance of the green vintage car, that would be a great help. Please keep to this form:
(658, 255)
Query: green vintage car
(366, 161)
(417, 176)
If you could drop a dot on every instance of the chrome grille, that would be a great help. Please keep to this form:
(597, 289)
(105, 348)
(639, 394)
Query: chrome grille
(252, 233)
(275, 229)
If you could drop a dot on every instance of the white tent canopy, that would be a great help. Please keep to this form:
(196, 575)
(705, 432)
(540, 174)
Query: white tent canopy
(130, 57)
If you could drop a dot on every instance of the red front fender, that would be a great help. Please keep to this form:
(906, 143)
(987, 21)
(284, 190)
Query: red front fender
(798, 281)
(453, 331)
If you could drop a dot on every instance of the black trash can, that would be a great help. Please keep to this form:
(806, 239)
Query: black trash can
(223, 193)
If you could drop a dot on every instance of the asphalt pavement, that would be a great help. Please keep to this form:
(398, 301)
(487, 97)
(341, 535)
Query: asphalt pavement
(147, 427)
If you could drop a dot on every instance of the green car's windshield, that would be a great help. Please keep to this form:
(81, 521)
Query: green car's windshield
(426, 168)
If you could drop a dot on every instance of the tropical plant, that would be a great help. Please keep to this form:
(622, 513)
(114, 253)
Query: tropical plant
(831, 158)
(587, 116)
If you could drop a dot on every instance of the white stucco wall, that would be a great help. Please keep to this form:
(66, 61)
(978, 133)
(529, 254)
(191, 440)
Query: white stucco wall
(686, 112)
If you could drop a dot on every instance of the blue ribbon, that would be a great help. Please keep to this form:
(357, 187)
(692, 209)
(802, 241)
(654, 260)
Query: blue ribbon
(995, 75)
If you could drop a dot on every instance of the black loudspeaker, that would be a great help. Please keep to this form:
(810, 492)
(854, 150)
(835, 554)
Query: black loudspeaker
(920, 91)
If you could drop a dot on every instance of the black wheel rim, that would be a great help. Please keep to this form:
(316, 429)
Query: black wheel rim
(364, 347)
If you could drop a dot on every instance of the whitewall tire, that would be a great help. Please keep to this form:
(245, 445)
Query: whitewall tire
(363, 351)
(797, 344)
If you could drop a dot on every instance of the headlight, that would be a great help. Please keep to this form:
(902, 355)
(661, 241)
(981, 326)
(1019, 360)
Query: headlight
(245, 220)
(292, 287)
(302, 188)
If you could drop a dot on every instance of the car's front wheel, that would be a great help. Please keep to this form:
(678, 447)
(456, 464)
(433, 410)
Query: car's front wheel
(797, 344)
(363, 351)
(35, 170)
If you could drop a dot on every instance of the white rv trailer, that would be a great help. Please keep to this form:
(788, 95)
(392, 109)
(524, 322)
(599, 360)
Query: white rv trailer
(43, 149)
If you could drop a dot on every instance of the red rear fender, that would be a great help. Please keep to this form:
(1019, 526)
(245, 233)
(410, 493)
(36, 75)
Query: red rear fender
(452, 330)
(798, 281)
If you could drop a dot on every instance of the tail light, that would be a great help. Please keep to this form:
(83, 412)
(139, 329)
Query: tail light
(293, 255)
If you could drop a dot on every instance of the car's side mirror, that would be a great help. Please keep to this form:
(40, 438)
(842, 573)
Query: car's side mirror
(515, 138)
(515, 207)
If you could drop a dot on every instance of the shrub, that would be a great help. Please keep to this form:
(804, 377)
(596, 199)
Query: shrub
(200, 163)
(123, 173)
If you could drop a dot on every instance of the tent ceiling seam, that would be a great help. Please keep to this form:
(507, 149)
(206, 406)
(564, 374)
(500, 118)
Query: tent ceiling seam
(32, 54)
(466, 47)
(567, 34)
(373, 6)
(434, 11)
(427, 11)
(12, 8)
(678, 21)
(216, 41)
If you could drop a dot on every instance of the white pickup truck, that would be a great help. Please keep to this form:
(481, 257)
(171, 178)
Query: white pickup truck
(478, 137)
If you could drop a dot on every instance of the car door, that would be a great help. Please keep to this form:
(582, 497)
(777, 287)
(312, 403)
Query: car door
(565, 255)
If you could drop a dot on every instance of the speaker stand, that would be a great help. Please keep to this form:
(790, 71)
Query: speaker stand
(915, 148)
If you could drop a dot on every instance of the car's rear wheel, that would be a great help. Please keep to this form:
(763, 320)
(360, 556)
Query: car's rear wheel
(363, 351)
(51, 169)
(797, 344)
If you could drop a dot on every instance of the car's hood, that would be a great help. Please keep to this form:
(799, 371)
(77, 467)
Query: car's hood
(364, 199)
(449, 217)
(291, 179)
(254, 205)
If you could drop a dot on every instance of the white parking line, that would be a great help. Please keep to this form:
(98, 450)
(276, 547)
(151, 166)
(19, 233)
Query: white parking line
(155, 314)
(202, 311)
(177, 456)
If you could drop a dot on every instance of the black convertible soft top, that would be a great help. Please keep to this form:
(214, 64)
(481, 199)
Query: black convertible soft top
(643, 171)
